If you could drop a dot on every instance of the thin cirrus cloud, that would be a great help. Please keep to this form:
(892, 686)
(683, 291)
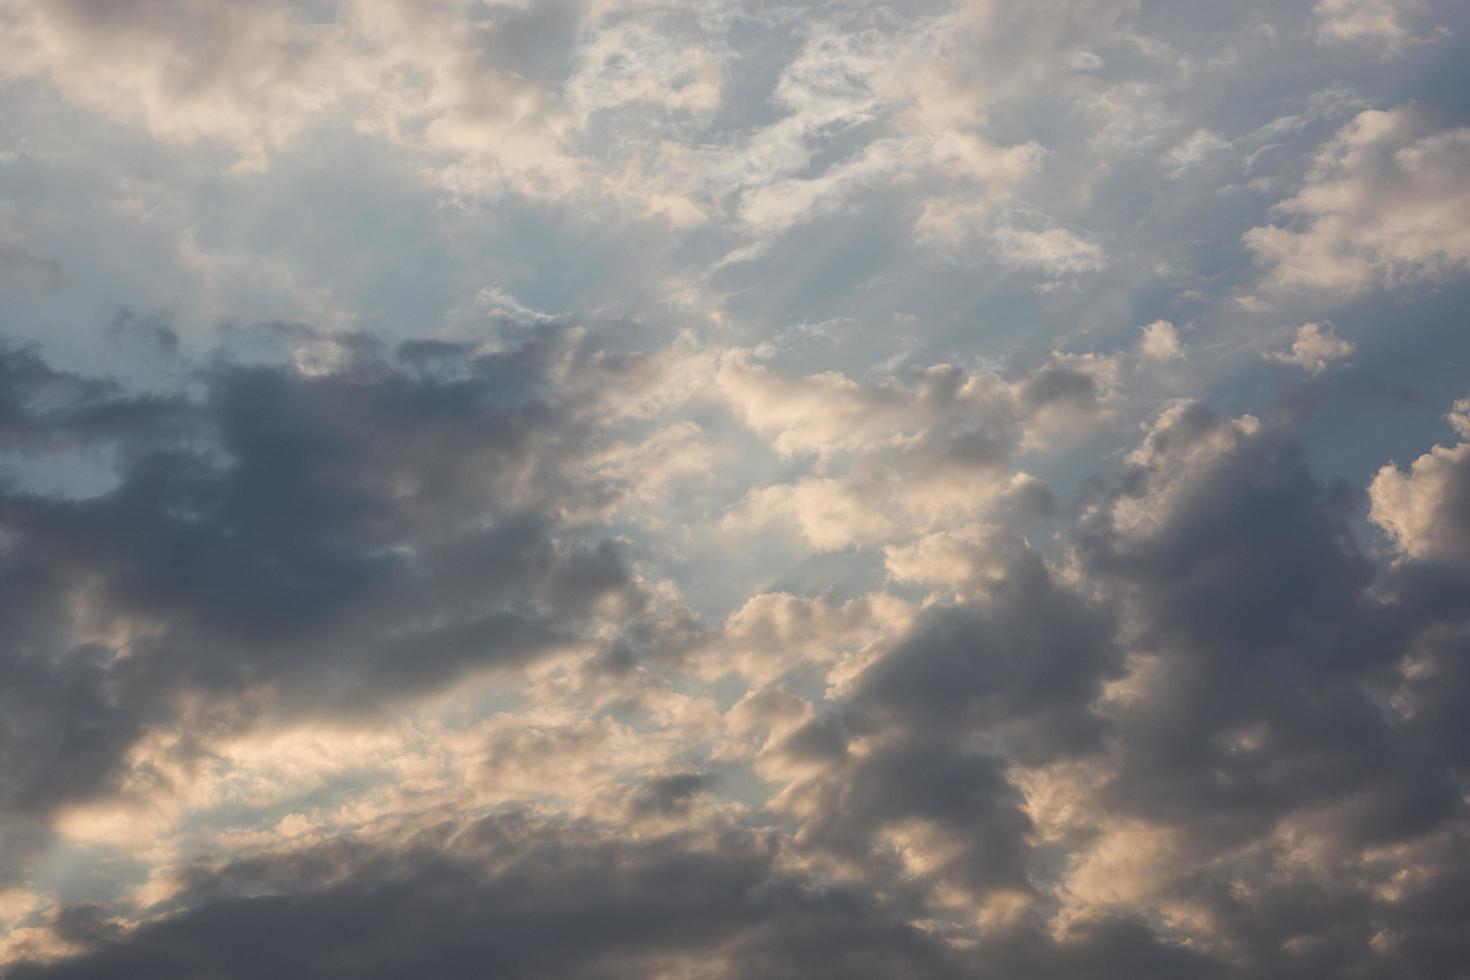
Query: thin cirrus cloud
(610, 489)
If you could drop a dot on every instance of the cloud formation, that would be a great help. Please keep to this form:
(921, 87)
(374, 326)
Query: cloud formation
(1315, 346)
(1383, 205)
(722, 490)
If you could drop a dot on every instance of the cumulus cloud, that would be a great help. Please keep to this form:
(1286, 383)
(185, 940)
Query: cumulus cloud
(775, 634)
(1424, 509)
(897, 455)
(1170, 708)
(1219, 620)
(1383, 205)
(1316, 345)
(1173, 726)
(1161, 342)
(720, 490)
(249, 76)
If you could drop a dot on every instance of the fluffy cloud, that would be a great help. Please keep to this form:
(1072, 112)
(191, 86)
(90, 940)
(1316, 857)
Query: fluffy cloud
(1268, 640)
(1426, 510)
(775, 634)
(1161, 342)
(250, 76)
(491, 102)
(1383, 205)
(906, 452)
(1316, 345)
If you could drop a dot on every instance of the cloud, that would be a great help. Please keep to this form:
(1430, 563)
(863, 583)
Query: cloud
(491, 103)
(907, 451)
(23, 271)
(774, 634)
(1055, 250)
(1210, 702)
(532, 898)
(1161, 342)
(1194, 152)
(866, 580)
(1316, 345)
(1424, 510)
(1017, 660)
(296, 543)
(618, 105)
(249, 76)
(1255, 648)
(1382, 206)
(1369, 22)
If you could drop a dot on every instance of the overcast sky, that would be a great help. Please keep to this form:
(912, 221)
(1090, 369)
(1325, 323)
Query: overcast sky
(721, 489)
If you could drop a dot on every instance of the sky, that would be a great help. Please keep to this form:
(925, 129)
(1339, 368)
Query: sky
(720, 489)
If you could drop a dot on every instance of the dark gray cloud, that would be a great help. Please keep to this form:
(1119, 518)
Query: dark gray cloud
(1018, 667)
(1248, 584)
(284, 544)
(43, 408)
(670, 794)
(1261, 718)
(516, 899)
(523, 899)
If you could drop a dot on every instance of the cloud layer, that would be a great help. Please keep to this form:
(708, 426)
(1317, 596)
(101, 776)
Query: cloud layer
(612, 489)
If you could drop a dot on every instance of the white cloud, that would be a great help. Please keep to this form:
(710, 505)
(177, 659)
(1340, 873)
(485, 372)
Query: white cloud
(250, 75)
(1423, 509)
(776, 633)
(1053, 250)
(965, 558)
(1384, 23)
(829, 514)
(1161, 342)
(896, 456)
(1386, 203)
(1316, 345)
(1459, 417)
